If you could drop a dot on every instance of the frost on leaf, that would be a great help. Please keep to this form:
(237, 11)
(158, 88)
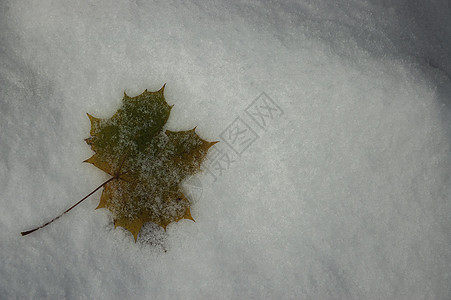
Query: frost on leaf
(148, 164)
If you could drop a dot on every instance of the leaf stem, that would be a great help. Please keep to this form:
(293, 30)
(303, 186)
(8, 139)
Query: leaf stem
(103, 184)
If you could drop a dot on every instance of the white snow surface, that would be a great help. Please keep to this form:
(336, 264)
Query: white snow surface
(346, 195)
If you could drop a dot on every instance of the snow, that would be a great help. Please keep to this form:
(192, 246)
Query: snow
(343, 194)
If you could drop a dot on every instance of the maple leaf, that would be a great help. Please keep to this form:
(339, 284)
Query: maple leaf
(147, 164)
